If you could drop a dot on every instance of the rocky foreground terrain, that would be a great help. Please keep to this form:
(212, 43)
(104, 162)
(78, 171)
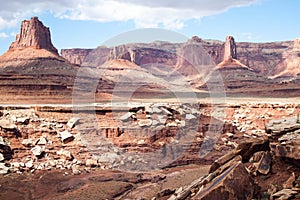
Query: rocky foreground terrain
(50, 152)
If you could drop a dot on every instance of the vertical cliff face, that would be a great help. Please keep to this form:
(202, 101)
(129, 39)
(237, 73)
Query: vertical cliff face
(33, 34)
(229, 49)
(267, 59)
(230, 56)
(289, 66)
(75, 56)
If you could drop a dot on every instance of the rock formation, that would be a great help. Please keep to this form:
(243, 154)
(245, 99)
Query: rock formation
(76, 56)
(32, 43)
(32, 67)
(238, 174)
(259, 161)
(230, 56)
(172, 62)
(266, 59)
(229, 49)
(33, 34)
(290, 62)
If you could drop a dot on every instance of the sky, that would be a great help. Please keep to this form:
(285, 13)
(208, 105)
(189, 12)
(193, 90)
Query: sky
(91, 23)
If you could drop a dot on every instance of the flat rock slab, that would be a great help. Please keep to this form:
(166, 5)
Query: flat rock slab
(285, 194)
(126, 116)
(7, 124)
(282, 126)
(66, 136)
(73, 121)
(234, 183)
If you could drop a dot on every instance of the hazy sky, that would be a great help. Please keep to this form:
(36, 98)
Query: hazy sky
(89, 23)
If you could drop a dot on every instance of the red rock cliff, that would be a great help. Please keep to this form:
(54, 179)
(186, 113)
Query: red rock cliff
(33, 34)
(230, 49)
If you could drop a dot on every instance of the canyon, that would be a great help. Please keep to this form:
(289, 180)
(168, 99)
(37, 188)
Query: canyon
(203, 119)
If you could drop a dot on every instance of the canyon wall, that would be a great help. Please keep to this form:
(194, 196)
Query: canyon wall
(266, 59)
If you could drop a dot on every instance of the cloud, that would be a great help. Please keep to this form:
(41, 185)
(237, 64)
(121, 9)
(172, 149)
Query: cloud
(3, 35)
(156, 13)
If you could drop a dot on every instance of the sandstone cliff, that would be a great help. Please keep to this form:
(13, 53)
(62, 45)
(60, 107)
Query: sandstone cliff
(32, 68)
(230, 49)
(76, 56)
(32, 65)
(266, 59)
(33, 34)
(289, 66)
(32, 43)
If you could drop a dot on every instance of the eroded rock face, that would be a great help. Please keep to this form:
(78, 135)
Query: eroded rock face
(289, 65)
(230, 49)
(33, 34)
(33, 57)
(270, 59)
(286, 137)
(228, 185)
(282, 126)
(76, 56)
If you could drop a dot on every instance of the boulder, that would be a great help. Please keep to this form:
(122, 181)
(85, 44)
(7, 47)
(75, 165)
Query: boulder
(22, 120)
(234, 183)
(282, 126)
(166, 111)
(28, 142)
(38, 151)
(91, 163)
(66, 136)
(156, 110)
(161, 119)
(5, 149)
(41, 141)
(3, 168)
(126, 116)
(29, 164)
(172, 124)
(222, 160)
(8, 125)
(145, 122)
(64, 153)
(190, 116)
(252, 145)
(246, 149)
(227, 165)
(75, 170)
(72, 122)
